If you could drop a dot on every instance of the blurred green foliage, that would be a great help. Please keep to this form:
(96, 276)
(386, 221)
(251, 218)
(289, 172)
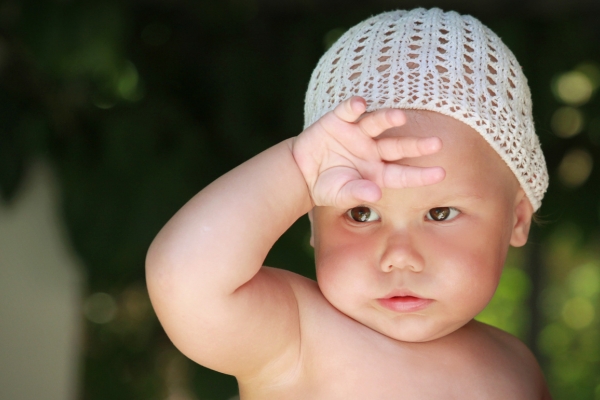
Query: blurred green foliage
(139, 104)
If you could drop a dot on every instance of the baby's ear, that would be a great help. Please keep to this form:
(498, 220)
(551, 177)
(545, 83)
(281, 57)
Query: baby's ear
(523, 212)
(312, 230)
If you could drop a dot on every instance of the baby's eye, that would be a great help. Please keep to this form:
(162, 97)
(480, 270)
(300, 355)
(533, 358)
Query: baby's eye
(362, 214)
(442, 213)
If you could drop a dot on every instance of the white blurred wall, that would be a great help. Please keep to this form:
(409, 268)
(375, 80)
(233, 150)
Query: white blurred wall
(40, 289)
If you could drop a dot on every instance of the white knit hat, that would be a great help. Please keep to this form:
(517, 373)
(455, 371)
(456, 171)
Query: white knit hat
(437, 61)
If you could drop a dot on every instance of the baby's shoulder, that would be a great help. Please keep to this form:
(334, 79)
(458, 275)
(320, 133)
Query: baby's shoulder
(508, 357)
(310, 299)
(501, 342)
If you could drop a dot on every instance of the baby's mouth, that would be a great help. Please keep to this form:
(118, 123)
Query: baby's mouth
(405, 298)
(405, 303)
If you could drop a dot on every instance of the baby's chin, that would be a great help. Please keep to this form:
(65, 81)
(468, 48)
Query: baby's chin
(414, 335)
(414, 328)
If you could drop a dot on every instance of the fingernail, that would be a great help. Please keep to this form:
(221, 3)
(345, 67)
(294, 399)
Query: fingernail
(438, 173)
(359, 104)
(396, 117)
(433, 143)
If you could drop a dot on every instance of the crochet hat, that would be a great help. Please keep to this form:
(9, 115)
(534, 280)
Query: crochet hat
(437, 61)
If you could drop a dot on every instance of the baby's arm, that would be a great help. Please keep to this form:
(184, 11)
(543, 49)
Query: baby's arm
(204, 275)
(202, 267)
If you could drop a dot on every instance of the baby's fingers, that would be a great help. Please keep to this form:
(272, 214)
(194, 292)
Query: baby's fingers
(350, 109)
(343, 116)
(377, 122)
(396, 148)
(402, 176)
(357, 192)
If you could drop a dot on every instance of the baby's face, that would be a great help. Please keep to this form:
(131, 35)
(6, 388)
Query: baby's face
(427, 259)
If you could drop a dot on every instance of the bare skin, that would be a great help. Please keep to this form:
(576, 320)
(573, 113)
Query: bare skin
(392, 314)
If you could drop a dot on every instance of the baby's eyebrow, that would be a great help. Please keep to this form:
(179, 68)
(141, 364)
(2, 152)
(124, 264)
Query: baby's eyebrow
(464, 196)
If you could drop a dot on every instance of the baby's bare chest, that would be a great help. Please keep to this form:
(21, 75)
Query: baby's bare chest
(415, 376)
(367, 369)
(360, 384)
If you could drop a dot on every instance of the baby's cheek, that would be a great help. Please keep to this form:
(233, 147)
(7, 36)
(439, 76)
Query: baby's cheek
(483, 284)
(472, 276)
(329, 273)
(339, 274)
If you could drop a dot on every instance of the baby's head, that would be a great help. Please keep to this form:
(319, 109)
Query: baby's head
(422, 262)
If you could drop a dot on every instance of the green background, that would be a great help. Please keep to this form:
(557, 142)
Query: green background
(139, 104)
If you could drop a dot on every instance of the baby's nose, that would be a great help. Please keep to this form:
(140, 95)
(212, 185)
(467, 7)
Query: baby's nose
(400, 253)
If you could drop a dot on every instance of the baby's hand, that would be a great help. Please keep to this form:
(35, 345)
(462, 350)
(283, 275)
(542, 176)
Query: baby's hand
(344, 164)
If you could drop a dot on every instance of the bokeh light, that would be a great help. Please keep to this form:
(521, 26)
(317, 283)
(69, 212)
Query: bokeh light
(552, 299)
(574, 88)
(136, 303)
(567, 122)
(584, 280)
(592, 71)
(567, 370)
(128, 83)
(578, 312)
(100, 308)
(575, 168)
(554, 339)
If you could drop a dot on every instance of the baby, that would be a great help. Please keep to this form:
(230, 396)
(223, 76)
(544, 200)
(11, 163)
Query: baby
(418, 167)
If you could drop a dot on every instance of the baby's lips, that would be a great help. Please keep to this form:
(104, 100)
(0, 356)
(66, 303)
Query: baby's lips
(403, 300)
(405, 304)
(402, 293)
